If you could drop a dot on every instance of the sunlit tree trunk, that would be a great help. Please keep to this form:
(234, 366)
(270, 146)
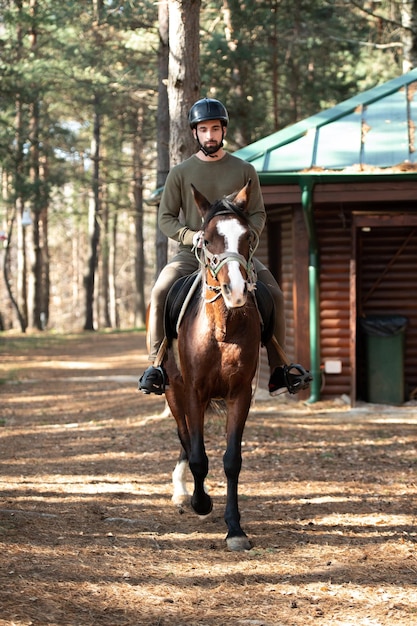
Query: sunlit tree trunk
(21, 273)
(95, 207)
(105, 257)
(409, 38)
(140, 306)
(114, 313)
(94, 220)
(236, 90)
(38, 172)
(18, 299)
(162, 126)
(183, 74)
(7, 270)
(35, 280)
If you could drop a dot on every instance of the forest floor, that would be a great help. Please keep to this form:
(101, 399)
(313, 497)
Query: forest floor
(89, 537)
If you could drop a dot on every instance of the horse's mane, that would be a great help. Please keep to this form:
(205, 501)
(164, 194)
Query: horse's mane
(224, 207)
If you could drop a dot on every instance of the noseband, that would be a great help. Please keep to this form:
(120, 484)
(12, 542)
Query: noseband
(216, 261)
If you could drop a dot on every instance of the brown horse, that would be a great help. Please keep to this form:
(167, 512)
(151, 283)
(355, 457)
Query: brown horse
(215, 355)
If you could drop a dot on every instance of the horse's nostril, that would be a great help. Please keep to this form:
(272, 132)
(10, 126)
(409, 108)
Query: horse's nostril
(226, 289)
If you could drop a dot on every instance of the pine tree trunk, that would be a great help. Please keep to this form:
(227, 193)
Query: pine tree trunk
(114, 312)
(38, 171)
(140, 307)
(162, 126)
(183, 78)
(21, 271)
(20, 300)
(7, 275)
(409, 38)
(105, 258)
(94, 221)
(40, 229)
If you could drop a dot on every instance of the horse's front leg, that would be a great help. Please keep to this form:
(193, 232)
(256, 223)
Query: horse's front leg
(232, 461)
(198, 460)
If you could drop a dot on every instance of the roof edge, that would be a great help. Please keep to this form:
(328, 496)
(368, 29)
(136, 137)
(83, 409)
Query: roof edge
(297, 178)
(291, 133)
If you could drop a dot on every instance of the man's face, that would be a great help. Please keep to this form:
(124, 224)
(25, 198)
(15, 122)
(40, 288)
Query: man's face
(210, 135)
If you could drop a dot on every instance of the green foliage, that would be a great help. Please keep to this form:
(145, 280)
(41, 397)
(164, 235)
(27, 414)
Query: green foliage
(273, 62)
(310, 53)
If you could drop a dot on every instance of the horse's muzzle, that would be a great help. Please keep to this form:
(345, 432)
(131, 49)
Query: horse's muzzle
(234, 298)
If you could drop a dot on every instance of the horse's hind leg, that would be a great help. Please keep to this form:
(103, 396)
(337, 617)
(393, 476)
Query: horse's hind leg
(174, 396)
(180, 494)
(190, 433)
(197, 461)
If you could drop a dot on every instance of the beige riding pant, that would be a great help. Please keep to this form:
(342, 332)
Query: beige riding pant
(184, 263)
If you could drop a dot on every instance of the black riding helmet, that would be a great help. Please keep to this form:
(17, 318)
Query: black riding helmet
(207, 109)
(204, 110)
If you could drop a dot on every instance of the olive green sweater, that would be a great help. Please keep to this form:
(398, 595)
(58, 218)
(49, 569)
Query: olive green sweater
(179, 217)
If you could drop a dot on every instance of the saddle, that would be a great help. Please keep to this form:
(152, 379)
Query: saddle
(188, 287)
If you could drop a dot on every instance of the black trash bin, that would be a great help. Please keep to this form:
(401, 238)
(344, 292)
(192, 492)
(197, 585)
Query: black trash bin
(384, 357)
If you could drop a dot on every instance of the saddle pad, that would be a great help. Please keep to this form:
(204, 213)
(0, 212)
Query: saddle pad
(174, 302)
(266, 308)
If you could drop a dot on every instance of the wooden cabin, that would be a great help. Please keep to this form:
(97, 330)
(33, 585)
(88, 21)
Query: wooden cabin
(340, 191)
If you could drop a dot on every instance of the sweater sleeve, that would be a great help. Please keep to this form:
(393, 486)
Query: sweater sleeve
(256, 208)
(170, 217)
(169, 208)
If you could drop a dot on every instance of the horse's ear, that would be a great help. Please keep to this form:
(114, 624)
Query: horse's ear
(241, 198)
(201, 201)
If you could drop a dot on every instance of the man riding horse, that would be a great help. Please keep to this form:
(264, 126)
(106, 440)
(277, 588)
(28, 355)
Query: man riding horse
(216, 174)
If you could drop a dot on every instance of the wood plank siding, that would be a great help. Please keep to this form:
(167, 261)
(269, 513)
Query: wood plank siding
(367, 247)
(275, 251)
(333, 230)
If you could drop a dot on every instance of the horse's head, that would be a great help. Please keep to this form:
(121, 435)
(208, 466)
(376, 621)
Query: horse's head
(227, 246)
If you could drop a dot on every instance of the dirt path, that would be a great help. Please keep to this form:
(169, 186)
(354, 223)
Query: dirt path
(89, 536)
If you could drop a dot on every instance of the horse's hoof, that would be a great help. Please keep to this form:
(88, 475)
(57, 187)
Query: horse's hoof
(206, 515)
(204, 507)
(180, 499)
(238, 544)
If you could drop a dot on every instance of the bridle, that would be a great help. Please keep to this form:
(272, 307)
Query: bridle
(214, 262)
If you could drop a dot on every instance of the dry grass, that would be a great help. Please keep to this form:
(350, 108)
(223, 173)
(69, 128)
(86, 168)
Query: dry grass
(89, 536)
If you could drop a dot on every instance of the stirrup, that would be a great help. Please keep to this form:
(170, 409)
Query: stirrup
(283, 380)
(148, 384)
(293, 382)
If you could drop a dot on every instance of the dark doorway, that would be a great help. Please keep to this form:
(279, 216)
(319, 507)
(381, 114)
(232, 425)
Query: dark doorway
(386, 285)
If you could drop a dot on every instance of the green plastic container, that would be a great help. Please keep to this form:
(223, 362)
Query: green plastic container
(385, 341)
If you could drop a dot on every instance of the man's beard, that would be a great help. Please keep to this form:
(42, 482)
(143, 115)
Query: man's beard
(212, 148)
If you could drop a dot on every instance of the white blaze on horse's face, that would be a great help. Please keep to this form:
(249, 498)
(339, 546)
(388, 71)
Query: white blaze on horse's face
(236, 290)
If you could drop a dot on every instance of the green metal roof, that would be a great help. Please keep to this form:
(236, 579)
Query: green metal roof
(375, 128)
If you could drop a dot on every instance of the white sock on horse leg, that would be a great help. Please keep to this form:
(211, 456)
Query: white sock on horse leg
(180, 494)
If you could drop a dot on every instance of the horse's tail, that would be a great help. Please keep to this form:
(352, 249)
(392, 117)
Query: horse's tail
(218, 407)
